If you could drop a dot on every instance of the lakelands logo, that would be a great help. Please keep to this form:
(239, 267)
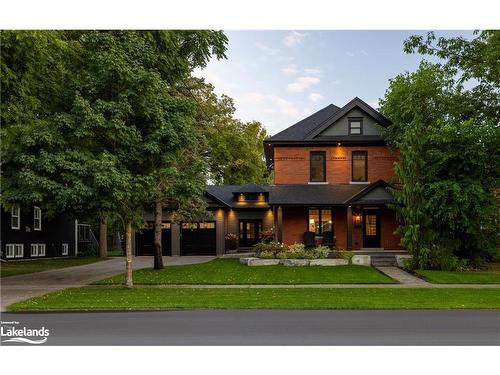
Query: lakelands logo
(10, 333)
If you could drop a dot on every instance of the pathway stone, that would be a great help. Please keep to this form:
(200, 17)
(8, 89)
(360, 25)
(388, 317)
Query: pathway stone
(402, 276)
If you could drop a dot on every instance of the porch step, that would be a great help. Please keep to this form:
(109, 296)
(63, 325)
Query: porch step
(381, 260)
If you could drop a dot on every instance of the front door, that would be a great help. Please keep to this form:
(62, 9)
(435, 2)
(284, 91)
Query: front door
(371, 228)
(250, 232)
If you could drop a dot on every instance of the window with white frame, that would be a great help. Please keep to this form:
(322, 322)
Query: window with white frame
(9, 250)
(15, 217)
(37, 249)
(37, 218)
(65, 247)
(18, 250)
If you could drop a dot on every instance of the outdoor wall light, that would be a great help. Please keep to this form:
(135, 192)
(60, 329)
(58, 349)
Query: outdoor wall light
(241, 198)
(357, 219)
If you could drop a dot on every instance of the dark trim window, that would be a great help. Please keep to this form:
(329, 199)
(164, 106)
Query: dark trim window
(355, 126)
(320, 220)
(318, 166)
(359, 166)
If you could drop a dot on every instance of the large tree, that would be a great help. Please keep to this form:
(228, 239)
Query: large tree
(445, 123)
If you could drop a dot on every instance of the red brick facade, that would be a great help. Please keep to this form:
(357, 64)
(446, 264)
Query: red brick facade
(291, 164)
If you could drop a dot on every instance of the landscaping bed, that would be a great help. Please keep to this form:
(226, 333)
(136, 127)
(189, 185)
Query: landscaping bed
(244, 298)
(12, 268)
(230, 271)
(457, 277)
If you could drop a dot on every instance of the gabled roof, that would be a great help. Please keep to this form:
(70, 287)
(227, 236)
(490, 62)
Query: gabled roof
(375, 193)
(356, 102)
(310, 127)
(302, 128)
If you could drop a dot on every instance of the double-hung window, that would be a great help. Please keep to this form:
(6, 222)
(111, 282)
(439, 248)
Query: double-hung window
(37, 218)
(15, 217)
(37, 250)
(318, 166)
(64, 249)
(359, 166)
(14, 250)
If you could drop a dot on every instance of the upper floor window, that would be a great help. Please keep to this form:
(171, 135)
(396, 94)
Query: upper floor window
(355, 126)
(15, 217)
(37, 218)
(359, 166)
(318, 166)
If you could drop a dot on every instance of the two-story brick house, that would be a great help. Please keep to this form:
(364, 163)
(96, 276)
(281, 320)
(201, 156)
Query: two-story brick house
(331, 171)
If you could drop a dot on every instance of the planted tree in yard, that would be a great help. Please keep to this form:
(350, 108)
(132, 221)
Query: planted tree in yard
(449, 142)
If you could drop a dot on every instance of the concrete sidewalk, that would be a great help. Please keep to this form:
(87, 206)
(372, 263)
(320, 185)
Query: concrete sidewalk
(21, 287)
(403, 277)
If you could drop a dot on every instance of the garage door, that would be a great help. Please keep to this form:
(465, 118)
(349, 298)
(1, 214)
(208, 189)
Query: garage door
(198, 238)
(146, 240)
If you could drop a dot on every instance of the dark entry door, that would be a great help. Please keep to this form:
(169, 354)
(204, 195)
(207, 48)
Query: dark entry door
(146, 240)
(250, 232)
(371, 228)
(198, 238)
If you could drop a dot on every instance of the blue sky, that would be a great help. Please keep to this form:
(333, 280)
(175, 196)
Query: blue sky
(280, 77)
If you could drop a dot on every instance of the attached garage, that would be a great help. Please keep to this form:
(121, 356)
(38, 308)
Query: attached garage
(145, 240)
(198, 238)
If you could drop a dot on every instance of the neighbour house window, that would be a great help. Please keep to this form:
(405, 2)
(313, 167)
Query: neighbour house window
(64, 249)
(359, 166)
(9, 250)
(318, 166)
(37, 218)
(37, 249)
(15, 250)
(320, 220)
(15, 217)
(355, 126)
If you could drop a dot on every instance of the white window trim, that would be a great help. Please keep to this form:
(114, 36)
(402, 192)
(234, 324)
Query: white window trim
(10, 250)
(34, 250)
(65, 249)
(318, 183)
(35, 218)
(360, 182)
(39, 250)
(16, 246)
(18, 216)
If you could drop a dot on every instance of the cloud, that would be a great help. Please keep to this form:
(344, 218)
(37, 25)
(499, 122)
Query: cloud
(312, 71)
(361, 52)
(302, 83)
(315, 97)
(290, 70)
(267, 50)
(273, 104)
(294, 38)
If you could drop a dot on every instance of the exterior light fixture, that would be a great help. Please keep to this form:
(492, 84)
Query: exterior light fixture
(339, 144)
(357, 219)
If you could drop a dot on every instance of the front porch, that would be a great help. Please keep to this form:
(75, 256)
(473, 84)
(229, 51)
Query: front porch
(364, 229)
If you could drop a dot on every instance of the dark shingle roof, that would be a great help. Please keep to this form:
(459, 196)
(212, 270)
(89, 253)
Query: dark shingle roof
(305, 126)
(297, 194)
(251, 188)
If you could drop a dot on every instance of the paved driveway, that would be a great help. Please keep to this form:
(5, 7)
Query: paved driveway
(21, 287)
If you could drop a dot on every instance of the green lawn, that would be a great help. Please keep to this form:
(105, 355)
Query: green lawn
(29, 266)
(471, 277)
(92, 298)
(230, 271)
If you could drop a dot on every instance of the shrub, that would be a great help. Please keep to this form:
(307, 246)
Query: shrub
(278, 250)
(320, 252)
(270, 248)
(347, 255)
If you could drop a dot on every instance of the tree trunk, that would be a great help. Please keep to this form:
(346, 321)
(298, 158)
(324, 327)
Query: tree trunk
(128, 246)
(158, 221)
(103, 238)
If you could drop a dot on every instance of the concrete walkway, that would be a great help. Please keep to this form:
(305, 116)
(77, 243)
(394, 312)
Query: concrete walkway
(21, 287)
(402, 276)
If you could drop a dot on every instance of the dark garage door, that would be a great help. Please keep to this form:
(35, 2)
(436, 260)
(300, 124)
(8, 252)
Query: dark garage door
(198, 238)
(145, 240)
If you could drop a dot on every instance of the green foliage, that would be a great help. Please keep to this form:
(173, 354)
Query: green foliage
(347, 255)
(449, 164)
(277, 250)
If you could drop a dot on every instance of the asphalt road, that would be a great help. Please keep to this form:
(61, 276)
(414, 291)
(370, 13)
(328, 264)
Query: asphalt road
(266, 327)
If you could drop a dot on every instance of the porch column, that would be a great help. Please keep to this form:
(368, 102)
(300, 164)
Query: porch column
(280, 224)
(349, 228)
